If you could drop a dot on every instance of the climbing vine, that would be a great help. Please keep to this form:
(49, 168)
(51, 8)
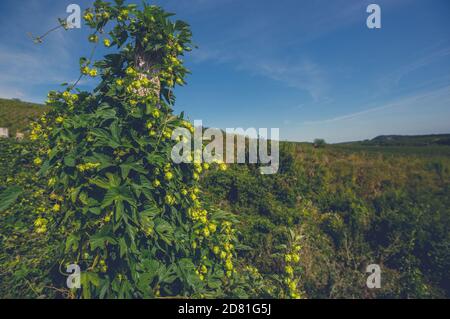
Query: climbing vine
(134, 221)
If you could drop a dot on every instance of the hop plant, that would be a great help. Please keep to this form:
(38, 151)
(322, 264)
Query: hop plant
(291, 260)
(134, 221)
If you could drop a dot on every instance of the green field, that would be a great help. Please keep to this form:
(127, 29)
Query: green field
(16, 115)
(428, 150)
(425, 145)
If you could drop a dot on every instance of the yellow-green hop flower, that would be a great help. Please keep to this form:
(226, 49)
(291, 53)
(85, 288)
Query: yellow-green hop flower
(203, 269)
(88, 17)
(156, 113)
(289, 270)
(93, 38)
(169, 199)
(85, 70)
(156, 183)
(168, 176)
(229, 265)
(51, 181)
(212, 228)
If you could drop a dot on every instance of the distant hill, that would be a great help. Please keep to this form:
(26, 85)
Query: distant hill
(410, 140)
(16, 115)
(404, 140)
(428, 145)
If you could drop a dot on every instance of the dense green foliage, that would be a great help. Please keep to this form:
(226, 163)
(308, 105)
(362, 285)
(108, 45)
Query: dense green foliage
(352, 209)
(349, 210)
(26, 269)
(131, 219)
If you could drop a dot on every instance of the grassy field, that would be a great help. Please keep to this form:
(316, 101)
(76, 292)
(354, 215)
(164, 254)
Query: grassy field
(428, 150)
(16, 115)
(422, 145)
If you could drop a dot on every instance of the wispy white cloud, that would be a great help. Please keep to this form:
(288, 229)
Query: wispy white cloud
(25, 67)
(442, 93)
(29, 67)
(304, 75)
(257, 42)
(393, 79)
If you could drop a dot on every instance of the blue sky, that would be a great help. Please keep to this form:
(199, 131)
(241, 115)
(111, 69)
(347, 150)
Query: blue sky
(311, 68)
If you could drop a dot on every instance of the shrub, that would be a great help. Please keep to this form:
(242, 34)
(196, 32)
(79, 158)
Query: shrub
(319, 143)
